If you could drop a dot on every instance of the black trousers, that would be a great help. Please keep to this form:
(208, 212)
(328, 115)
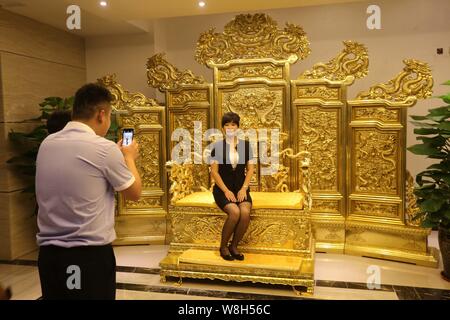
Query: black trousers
(79, 273)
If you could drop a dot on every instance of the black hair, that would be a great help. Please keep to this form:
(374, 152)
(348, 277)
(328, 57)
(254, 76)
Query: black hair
(87, 100)
(58, 120)
(230, 117)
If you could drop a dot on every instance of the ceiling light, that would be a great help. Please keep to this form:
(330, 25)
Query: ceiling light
(103, 3)
(202, 4)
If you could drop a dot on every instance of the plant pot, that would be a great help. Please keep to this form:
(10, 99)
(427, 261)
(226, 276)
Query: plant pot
(444, 245)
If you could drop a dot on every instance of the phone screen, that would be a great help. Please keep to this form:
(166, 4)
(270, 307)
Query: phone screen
(127, 137)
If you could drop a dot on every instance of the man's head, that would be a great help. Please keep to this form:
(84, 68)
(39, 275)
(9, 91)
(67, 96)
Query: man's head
(92, 106)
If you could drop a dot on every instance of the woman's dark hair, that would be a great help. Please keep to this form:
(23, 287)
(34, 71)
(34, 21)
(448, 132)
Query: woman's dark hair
(58, 120)
(87, 100)
(230, 117)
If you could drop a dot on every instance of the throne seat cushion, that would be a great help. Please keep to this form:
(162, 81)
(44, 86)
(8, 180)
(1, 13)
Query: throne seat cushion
(261, 200)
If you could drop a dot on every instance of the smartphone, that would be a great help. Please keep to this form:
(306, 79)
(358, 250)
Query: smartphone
(127, 136)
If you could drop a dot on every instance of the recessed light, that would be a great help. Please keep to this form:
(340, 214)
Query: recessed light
(202, 4)
(103, 3)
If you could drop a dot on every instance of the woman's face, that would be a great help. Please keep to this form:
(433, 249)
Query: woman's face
(230, 129)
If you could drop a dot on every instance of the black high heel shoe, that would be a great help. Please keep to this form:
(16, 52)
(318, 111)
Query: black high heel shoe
(237, 256)
(227, 257)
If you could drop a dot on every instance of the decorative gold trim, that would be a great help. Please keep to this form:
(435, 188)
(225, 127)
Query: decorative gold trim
(414, 82)
(352, 61)
(164, 76)
(182, 178)
(428, 259)
(123, 99)
(250, 36)
(411, 203)
(399, 229)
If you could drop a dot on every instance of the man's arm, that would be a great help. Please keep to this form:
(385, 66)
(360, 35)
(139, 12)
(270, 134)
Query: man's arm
(130, 154)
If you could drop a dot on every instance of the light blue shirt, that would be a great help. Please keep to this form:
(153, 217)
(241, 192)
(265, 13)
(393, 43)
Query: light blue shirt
(76, 175)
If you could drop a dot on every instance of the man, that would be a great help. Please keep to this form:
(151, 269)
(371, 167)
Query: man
(76, 175)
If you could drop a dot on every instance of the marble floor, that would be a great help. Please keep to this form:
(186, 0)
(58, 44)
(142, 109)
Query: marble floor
(340, 277)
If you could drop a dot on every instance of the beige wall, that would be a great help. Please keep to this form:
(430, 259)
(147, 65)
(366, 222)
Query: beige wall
(410, 29)
(36, 61)
(126, 56)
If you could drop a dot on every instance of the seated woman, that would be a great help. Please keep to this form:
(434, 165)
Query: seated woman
(229, 159)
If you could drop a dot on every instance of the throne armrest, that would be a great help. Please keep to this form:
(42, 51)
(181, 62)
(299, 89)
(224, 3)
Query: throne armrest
(181, 178)
(304, 158)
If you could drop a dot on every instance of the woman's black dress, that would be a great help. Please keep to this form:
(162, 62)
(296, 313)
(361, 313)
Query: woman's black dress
(232, 177)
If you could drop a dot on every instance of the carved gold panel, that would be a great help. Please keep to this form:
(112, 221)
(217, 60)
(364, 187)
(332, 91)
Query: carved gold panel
(376, 158)
(282, 230)
(318, 92)
(258, 107)
(140, 229)
(198, 226)
(185, 96)
(318, 132)
(380, 114)
(329, 206)
(264, 70)
(185, 120)
(375, 209)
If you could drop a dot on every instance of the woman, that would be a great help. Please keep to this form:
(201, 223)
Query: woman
(229, 159)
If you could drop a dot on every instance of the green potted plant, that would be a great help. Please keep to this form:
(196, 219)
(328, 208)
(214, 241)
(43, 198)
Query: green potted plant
(29, 142)
(433, 184)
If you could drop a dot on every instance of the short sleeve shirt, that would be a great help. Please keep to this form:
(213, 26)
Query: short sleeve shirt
(77, 173)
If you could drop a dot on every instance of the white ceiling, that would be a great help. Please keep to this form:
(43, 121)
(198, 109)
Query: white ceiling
(135, 16)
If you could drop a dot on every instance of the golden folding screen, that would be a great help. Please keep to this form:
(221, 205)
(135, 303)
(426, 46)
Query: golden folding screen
(362, 203)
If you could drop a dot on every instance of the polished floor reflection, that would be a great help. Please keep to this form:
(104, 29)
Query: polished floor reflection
(337, 277)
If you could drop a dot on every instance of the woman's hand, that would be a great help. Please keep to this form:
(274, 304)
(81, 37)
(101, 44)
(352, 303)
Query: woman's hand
(242, 194)
(230, 196)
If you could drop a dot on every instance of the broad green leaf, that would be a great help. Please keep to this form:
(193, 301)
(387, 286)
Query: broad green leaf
(423, 149)
(440, 111)
(446, 98)
(419, 117)
(446, 178)
(428, 224)
(431, 205)
(438, 118)
(426, 131)
(439, 166)
(424, 124)
(446, 83)
(445, 126)
(436, 141)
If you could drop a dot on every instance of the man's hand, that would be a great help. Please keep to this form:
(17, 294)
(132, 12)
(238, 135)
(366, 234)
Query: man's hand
(131, 151)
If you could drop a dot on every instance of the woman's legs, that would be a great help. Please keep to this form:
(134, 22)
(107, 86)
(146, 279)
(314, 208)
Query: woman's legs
(242, 225)
(233, 213)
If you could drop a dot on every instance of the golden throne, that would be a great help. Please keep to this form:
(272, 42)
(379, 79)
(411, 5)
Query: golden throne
(250, 78)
